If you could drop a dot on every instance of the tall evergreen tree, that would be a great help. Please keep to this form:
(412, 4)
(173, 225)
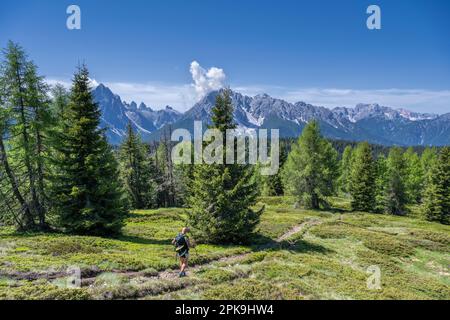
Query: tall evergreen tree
(414, 176)
(136, 171)
(436, 204)
(345, 170)
(363, 179)
(221, 195)
(12, 201)
(428, 159)
(38, 100)
(25, 96)
(311, 169)
(13, 74)
(170, 180)
(87, 194)
(395, 196)
(381, 183)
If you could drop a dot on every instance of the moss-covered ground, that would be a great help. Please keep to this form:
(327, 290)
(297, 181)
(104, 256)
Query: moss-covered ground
(328, 255)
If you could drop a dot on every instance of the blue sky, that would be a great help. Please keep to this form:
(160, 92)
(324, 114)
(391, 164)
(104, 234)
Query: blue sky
(317, 51)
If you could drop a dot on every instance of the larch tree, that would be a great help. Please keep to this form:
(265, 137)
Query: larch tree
(13, 205)
(25, 96)
(136, 171)
(311, 169)
(59, 102)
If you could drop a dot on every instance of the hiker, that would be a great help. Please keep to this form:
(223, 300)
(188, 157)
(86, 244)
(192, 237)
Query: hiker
(182, 245)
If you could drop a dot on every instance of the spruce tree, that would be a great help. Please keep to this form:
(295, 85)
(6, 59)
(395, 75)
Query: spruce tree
(221, 195)
(136, 171)
(311, 169)
(87, 194)
(363, 179)
(436, 204)
(395, 196)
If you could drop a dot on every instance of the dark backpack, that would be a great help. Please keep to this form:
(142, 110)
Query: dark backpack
(180, 242)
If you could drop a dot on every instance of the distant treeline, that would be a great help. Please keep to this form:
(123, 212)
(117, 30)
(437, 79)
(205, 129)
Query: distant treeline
(377, 149)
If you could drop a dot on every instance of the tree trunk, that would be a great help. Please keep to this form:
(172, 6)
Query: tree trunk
(28, 216)
(40, 181)
(26, 142)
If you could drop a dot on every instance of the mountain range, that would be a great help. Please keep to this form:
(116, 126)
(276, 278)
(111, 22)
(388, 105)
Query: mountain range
(365, 122)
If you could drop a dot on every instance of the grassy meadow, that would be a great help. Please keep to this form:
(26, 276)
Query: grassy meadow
(295, 254)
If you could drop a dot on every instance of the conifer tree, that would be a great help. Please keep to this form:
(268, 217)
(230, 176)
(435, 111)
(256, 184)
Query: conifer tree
(39, 102)
(363, 179)
(345, 170)
(428, 158)
(221, 195)
(25, 96)
(311, 169)
(59, 102)
(136, 171)
(166, 181)
(10, 193)
(87, 194)
(381, 183)
(414, 176)
(272, 185)
(395, 197)
(436, 204)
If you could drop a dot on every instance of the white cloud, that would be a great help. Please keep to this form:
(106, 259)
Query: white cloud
(206, 80)
(93, 83)
(55, 81)
(67, 84)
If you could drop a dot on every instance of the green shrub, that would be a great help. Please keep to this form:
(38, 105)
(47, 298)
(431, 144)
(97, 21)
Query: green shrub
(250, 289)
(329, 231)
(32, 291)
(63, 246)
(388, 246)
(216, 276)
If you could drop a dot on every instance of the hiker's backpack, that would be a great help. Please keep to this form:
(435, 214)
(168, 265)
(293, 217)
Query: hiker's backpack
(180, 242)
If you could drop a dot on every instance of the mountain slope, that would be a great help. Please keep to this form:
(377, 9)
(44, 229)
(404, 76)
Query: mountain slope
(365, 122)
(371, 122)
(116, 114)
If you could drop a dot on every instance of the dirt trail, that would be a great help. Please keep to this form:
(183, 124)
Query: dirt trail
(171, 274)
(89, 277)
(297, 229)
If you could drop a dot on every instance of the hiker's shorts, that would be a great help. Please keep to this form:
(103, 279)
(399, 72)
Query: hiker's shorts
(184, 254)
